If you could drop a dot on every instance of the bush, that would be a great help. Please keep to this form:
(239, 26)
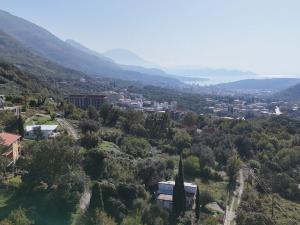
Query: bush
(137, 147)
(89, 126)
(205, 198)
(192, 166)
(89, 140)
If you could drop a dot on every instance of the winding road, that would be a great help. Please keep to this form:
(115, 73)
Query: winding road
(70, 129)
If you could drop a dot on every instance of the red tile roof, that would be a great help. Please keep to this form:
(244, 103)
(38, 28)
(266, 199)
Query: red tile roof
(8, 139)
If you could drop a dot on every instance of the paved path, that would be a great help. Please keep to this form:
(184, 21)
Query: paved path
(70, 129)
(235, 202)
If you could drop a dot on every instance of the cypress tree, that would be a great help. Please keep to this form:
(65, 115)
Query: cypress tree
(197, 209)
(179, 198)
(96, 201)
(20, 126)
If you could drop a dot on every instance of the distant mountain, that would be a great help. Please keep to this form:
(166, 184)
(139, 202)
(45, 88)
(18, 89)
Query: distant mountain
(207, 72)
(24, 71)
(87, 50)
(289, 94)
(126, 57)
(45, 44)
(49, 46)
(269, 85)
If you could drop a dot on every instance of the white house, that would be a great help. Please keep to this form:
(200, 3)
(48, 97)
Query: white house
(165, 194)
(47, 131)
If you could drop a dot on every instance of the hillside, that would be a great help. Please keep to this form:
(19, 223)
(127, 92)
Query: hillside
(270, 85)
(45, 44)
(15, 82)
(37, 69)
(126, 57)
(79, 46)
(51, 47)
(289, 94)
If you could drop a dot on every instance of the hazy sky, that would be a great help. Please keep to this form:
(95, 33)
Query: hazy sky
(258, 35)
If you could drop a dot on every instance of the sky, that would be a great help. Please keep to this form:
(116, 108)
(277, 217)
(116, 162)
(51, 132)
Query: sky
(262, 36)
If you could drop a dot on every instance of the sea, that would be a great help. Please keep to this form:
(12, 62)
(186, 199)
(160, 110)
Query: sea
(213, 80)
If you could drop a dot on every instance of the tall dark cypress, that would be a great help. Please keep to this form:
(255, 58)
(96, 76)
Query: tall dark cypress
(20, 126)
(179, 198)
(96, 198)
(197, 209)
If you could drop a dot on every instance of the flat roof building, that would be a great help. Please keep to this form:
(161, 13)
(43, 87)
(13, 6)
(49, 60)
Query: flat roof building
(84, 101)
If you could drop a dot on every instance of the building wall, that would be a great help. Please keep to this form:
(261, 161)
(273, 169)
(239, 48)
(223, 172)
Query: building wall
(31, 134)
(84, 101)
(16, 150)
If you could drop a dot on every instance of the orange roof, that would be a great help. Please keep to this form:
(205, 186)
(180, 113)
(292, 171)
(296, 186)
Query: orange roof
(8, 139)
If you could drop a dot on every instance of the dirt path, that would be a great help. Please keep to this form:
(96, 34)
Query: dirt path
(70, 129)
(235, 202)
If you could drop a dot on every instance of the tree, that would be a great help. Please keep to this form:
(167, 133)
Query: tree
(17, 217)
(233, 167)
(20, 126)
(244, 146)
(38, 133)
(135, 219)
(70, 187)
(137, 147)
(94, 163)
(3, 165)
(101, 218)
(192, 165)
(190, 119)
(182, 139)
(89, 126)
(96, 198)
(197, 208)
(89, 140)
(204, 198)
(92, 113)
(179, 198)
(104, 111)
(50, 159)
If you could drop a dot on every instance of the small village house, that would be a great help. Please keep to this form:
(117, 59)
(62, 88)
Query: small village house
(10, 146)
(165, 194)
(46, 131)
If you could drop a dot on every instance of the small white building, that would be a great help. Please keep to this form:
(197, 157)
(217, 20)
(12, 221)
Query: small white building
(46, 130)
(165, 194)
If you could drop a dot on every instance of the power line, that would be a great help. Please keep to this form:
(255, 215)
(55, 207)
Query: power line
(267, 190)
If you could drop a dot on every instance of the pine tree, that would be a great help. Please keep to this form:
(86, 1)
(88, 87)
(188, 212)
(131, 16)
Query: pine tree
(179, 198)
(96, 198)
(20, 126)
(197, 209)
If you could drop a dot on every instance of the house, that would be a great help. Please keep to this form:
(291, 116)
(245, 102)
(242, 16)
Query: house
(11, 146)
(165, 194)
(47, 131)
(13, 109)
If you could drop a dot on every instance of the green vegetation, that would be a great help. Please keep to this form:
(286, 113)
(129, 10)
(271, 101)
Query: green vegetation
(121, 156)
(41, 120)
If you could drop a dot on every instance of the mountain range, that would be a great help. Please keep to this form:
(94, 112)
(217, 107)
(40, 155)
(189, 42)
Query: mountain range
(289, 94)
(268, 85)
(44, 44)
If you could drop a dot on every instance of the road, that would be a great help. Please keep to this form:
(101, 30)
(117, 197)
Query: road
(70, 129)
(235, 201)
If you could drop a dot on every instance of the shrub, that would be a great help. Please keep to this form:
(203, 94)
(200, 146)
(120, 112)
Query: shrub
(137, 147)
(192, 165)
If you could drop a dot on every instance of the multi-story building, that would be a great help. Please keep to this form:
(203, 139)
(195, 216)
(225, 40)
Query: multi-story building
(84, 101)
